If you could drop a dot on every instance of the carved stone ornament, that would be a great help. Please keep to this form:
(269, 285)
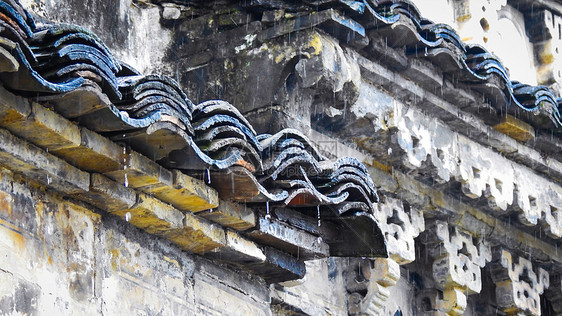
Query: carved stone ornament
(518, 284)
(458, 258)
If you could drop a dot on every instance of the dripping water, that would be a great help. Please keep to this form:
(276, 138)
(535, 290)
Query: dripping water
(267, 215)
(125, 178)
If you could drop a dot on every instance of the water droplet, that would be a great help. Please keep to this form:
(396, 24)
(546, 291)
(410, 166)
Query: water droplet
(128, 216)
(126, 181)
(208, 177)
(267, 207)
(124, 158)
(49, 180)
(318, 210)
(267, 215)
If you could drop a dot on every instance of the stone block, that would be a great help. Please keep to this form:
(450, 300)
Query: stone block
(94, 153)
(519, 284)
(186, 193)
(400, 224)
(45, 128)
(515, 128)
(457, 262)
(238, 250)
(33, 162)
(376, 278)
(141, 173)
(13, 108)
(197, 235)
(278, 266)
(233, 215)
(294, 241)
(107, 195)
(458, 257)
(532, 200)
(152, 215)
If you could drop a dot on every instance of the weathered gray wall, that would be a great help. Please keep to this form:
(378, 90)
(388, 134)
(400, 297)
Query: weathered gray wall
(58, 258)
(131, 31)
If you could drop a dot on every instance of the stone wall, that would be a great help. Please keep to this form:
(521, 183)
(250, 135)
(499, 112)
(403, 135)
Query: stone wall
(59, 257)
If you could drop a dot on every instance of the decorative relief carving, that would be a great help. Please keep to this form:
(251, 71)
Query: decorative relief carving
(375, 277)
(518, 284)
(400, 224)
(482, 172)
(458, 259)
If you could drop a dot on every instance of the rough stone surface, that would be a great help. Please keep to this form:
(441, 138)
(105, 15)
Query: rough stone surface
(58, 257)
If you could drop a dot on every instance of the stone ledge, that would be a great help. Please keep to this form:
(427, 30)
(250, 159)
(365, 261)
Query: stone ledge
(123, 183)
(40, 166)
(107, 195)
(94, 153)
(238, 250)
(278, 267)
(152, 215)
(186, 193)
(91, 152)
(197, 235)
(291, 240)
(230, 214)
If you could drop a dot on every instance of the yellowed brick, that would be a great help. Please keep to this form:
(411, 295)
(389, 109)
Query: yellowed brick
(152, 215)
(230, 214)
(515, 128)
(198, 235)
(187, 193)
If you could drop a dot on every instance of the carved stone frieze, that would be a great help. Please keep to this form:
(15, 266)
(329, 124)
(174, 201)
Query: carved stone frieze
(429, 146)
(458, 258)
(519, 283)
(400, 224)
(368, 281)
(374, 277)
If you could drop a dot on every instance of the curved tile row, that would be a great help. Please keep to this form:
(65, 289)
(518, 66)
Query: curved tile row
(441, 44)
(72, 68)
